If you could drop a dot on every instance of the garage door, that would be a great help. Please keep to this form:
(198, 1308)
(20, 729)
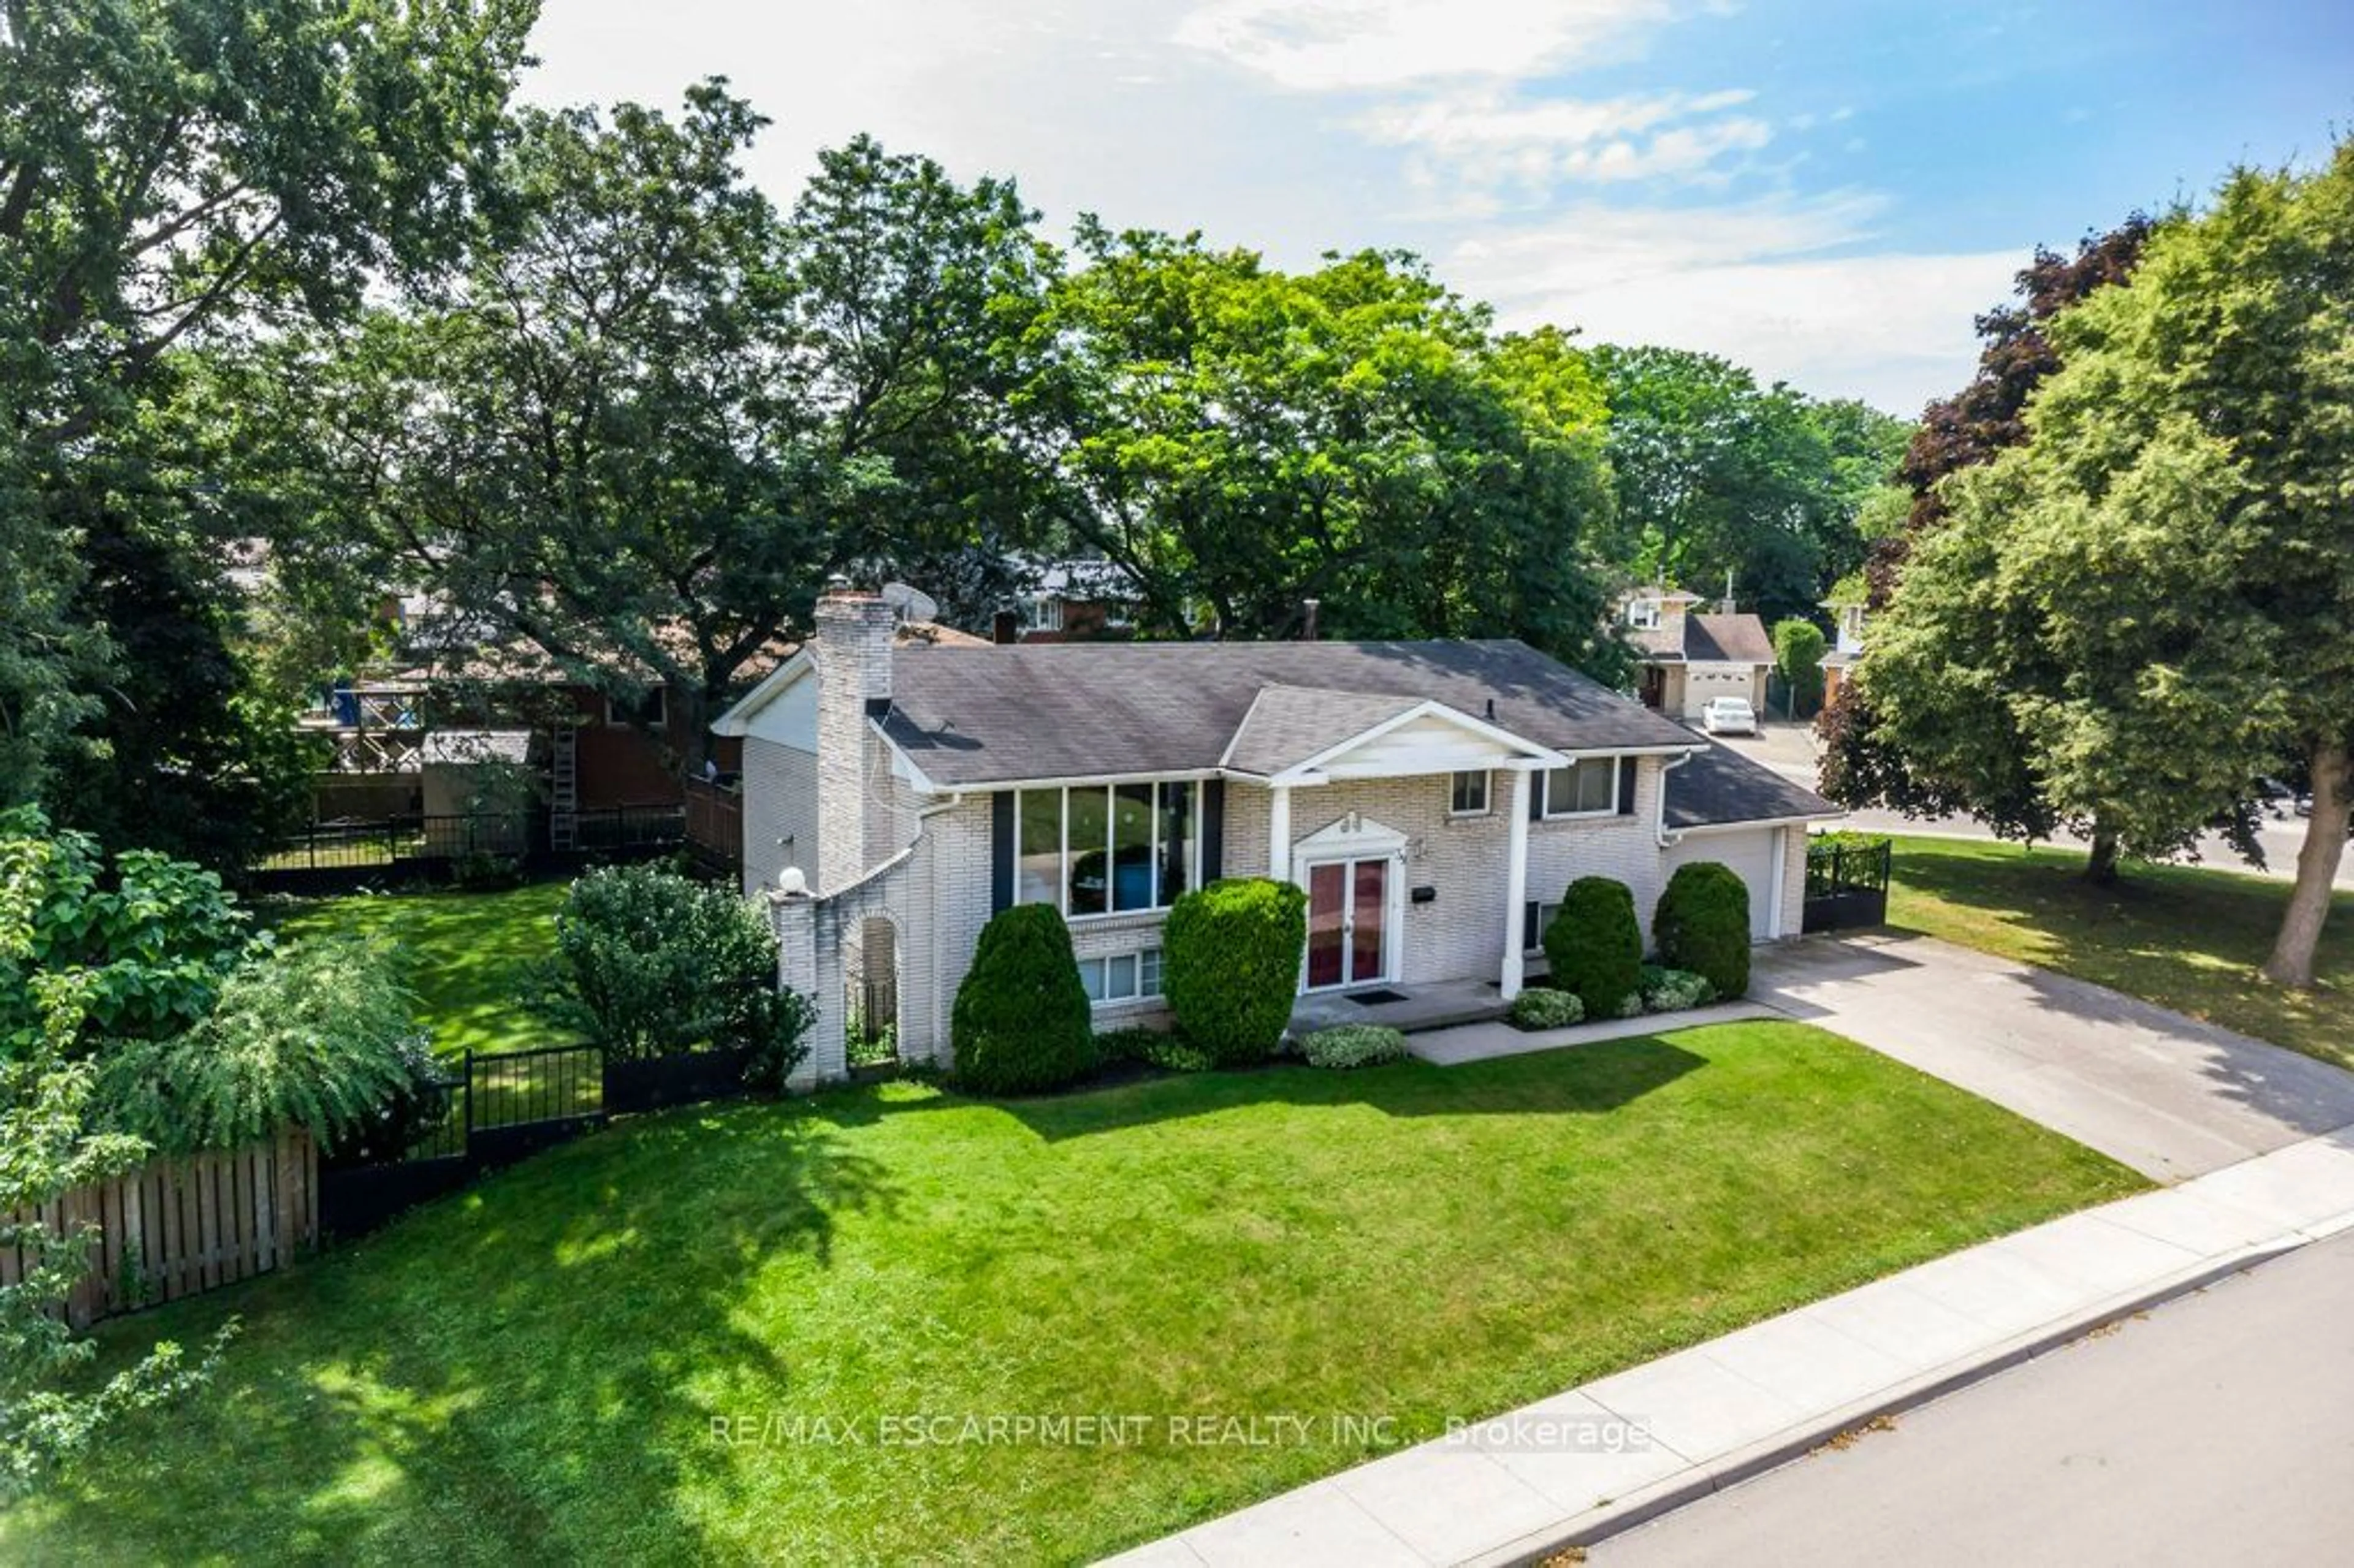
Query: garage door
(1747, 851)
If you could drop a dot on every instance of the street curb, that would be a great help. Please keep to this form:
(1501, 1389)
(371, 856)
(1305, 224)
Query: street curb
(1709, 1477)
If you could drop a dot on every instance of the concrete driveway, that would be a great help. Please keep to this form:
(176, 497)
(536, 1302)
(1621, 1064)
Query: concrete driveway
(2168, 1096)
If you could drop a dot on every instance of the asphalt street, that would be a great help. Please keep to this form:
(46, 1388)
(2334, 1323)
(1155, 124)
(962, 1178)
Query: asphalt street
(2219, 1429)
(1789, 750)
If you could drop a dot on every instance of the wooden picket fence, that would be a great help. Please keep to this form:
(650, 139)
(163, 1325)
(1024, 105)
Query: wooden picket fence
(180, 1227)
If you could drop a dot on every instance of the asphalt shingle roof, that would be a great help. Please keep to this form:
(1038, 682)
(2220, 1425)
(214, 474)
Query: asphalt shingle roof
(1727, 638)
(1288, 724)
(1719, 785)
(976, 716)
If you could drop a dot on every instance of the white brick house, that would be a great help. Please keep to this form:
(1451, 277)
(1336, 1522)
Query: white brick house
(1433, 799)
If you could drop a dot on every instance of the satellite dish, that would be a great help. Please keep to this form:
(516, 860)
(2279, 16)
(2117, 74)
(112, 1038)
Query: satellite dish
(913, 604)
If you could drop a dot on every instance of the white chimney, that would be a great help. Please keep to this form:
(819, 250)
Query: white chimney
(852, 651)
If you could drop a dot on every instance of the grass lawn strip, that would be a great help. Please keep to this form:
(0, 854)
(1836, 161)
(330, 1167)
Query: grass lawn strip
(679, 1338)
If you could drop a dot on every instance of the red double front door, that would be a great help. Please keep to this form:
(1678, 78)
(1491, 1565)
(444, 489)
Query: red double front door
(1347, 912)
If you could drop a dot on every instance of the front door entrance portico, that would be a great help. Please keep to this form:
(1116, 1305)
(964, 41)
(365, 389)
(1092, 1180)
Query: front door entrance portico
(1348, 922)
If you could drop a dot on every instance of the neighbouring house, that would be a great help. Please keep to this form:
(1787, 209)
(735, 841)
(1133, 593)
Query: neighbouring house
(1848, 608)
(1433, 799)
(1066, 601)
(1686, 657)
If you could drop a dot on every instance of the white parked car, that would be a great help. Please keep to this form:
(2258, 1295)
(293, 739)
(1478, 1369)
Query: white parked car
(1728, 716)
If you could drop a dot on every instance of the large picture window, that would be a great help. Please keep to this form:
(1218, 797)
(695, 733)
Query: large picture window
(1586, 788)
(1105, 849)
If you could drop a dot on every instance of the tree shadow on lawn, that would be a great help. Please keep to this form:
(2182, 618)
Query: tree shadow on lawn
(2182, 937)
(524, 1369)
(1588, 1079)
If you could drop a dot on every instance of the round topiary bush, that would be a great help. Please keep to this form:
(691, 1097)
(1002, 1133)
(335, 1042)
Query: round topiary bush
(1702, 925)
(1021, 1021)
(1230, 965)
(1544, 1007)
(1594, 947)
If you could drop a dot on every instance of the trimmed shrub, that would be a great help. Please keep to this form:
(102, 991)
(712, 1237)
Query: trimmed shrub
(1163, 1048)
(1594, 947)
(1021, 1023)
(1353, 1045)
(1674, 990)
(1702, 925)
(1543, 1007)
(650, 963)
(1230, 965)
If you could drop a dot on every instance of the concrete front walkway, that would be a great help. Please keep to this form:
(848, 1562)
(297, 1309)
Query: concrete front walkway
(1597, 1458)
(1477, 1042)
(2165, 1094)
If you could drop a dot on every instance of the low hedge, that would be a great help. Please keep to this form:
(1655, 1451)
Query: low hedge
(1543, 1007)
(1230, 965)
(1353, 1045)
(1021, 1022)
(1163, 1048)
(1594, 946)
(1675, 990)
(1702, 925)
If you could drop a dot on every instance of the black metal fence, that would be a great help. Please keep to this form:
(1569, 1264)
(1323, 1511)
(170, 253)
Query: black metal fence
(1847, 883)
(336, 855)
(499, 1108)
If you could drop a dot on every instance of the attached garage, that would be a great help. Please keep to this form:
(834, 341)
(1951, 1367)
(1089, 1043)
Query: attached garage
(1723, 808)
(1755, 853)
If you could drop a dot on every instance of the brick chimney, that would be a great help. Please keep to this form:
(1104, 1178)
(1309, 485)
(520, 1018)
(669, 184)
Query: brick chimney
(852, 651)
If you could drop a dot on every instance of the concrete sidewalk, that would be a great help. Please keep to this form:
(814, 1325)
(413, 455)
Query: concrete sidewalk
(1600, 1457)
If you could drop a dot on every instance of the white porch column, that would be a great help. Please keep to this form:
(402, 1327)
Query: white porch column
(1516, 885)
(1278, 832)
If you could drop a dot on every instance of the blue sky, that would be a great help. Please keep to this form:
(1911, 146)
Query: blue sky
(1825, 191)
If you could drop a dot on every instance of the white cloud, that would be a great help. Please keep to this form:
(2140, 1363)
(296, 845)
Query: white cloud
(1749, 283)
(1589, 247)
(1354, 45)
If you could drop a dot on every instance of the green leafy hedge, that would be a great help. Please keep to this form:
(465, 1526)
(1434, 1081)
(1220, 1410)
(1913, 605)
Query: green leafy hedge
(650, 963)
(1543, 1007)
(1702, 925)
(1353, 1045)
(1674, 990)
(1230, 965)
(1021, 1023)
(1163, 1048)
(1595, 947)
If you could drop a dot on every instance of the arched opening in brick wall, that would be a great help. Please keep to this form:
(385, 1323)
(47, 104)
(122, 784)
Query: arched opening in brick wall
(870, 986)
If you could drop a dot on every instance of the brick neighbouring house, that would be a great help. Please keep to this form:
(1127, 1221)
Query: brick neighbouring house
(1688, 656)
(1433, 798)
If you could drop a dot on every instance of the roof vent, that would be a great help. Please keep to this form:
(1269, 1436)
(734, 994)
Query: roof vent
(1492, 710)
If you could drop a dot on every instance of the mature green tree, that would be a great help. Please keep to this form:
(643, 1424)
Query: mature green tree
(1860, 767)
(1237, 440)
(2101, 626)
(2236, 344)
(2160, 577)
(645, 419)
(1719, 479)
(174, 171)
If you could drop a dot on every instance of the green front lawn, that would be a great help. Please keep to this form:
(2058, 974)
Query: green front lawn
(532, 1372)
(2183, 937)
(468, 955)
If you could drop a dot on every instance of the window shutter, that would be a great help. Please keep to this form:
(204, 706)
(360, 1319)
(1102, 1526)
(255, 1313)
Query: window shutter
(1627, 766)
(1536, 795)
(1532, 935)
(1001, 851)
(1214, 830)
